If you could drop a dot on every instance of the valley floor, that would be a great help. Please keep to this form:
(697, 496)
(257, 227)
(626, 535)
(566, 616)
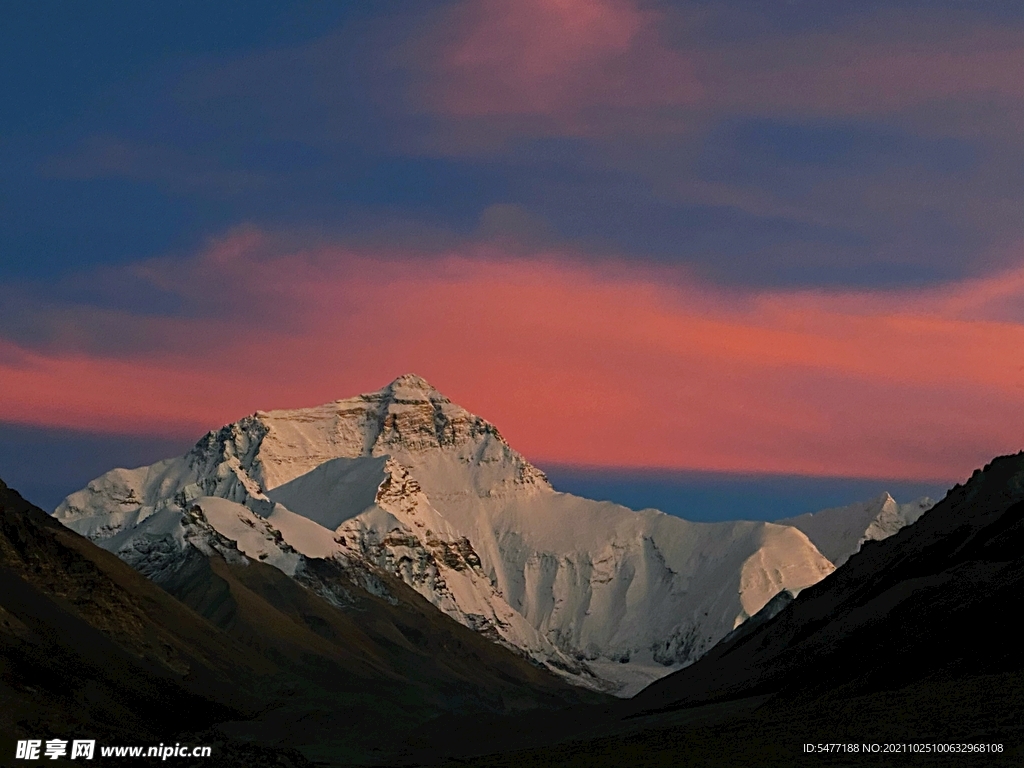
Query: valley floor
(761, 732)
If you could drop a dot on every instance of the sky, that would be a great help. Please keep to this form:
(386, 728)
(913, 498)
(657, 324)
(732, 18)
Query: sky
(741, 258)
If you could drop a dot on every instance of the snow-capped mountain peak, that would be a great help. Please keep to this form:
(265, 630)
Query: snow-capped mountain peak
(408, 419)
(839, 532)
(404, 481)
(411, 388)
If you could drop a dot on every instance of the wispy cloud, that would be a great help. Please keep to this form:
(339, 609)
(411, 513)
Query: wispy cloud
(864, 146)
(601, 69)
(558, 65)
(107, 157)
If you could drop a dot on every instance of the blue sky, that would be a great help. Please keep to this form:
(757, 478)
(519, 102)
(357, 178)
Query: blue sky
(854, 173)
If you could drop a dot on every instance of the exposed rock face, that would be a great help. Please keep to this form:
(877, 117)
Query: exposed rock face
(406, 419)
(403, 481)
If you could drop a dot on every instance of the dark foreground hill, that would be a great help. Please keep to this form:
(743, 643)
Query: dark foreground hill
(242, 658)
(914, 641)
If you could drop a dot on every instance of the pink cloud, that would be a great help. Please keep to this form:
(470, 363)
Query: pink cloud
(604, 67)
(604, 366)
(553, 61)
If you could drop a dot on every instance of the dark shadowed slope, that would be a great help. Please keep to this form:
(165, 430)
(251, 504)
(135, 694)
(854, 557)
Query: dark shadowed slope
(914, 640)
(90, 647)
(365, 671)
(938, 600)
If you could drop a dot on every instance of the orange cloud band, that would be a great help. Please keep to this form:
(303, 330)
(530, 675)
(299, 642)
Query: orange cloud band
(598, 365)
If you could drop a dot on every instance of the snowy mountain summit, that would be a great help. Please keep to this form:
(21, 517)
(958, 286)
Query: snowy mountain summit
(841, 531)
(405, 482)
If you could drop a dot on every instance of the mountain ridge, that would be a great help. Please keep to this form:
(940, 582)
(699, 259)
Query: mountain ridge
(839, 532)
(912, 645)
(975, 523)
(223, 646)
(405, 482)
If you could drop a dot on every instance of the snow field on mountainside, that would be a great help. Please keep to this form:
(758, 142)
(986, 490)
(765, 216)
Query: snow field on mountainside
(405, 481)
